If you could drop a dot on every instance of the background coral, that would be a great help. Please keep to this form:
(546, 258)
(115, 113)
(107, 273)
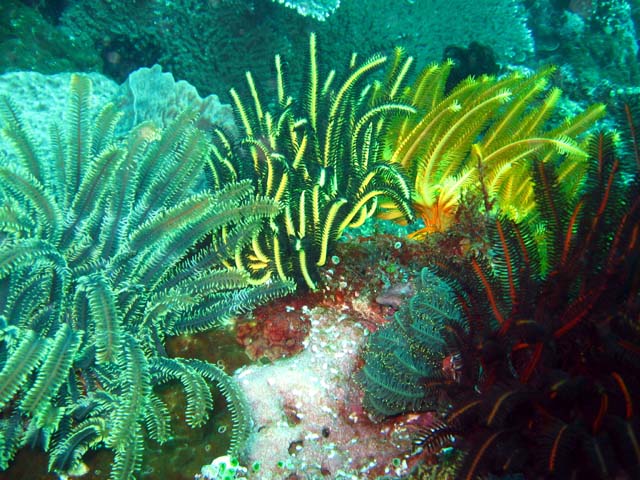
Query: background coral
(594, 43)
(585, 38)
(30, 40)
(211, 44)
(149, 94)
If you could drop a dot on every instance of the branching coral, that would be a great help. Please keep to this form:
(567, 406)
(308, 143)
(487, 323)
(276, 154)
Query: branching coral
(97, 267)
(320, 155)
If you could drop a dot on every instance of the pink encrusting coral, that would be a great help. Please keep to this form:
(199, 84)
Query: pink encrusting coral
(274, 332)
(309, 421)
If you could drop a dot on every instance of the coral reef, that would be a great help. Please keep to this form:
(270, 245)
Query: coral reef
(307, 414)
(337, 319)
(309, 421)
(147, 248)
